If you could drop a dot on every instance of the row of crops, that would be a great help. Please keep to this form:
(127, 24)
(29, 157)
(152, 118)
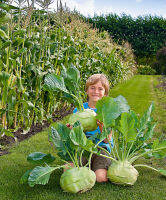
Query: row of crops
(34, 43)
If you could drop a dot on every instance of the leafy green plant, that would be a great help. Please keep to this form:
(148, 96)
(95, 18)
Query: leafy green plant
(75, 179)
(146, 70)
(132, 139)
(69, 84)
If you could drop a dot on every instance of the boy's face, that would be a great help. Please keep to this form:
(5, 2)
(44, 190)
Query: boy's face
(95, 92)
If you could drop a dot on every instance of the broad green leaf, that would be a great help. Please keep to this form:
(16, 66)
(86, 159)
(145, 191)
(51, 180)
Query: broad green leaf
(55, 138)
(122, 103)
(59, 136)
(73, 74)
(146, 118)
(54, 82)
(107, 111)
(40, 158)
(40, 175)
(71, 79)
(25, 176)
(77, 136)
(127, 127)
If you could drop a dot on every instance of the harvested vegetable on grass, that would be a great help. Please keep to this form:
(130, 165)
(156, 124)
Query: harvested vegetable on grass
(132, 137)
(75, 179)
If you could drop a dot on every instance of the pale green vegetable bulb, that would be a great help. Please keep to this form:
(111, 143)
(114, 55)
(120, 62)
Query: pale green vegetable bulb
(123, 173)
(77, 180)
(87, 119)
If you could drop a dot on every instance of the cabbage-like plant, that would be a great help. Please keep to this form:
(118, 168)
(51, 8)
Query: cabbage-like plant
(75, 179)
(68, 83)
(87, 119)
(133, 139)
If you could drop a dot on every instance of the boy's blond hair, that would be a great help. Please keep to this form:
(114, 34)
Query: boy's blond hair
(95, 78)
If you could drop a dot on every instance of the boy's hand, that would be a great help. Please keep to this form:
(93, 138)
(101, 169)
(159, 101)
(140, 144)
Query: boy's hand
(69, 126)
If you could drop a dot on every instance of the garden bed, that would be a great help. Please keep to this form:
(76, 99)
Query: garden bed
(19, 135)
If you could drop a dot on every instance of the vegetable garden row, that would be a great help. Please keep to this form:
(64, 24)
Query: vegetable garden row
(34, 43)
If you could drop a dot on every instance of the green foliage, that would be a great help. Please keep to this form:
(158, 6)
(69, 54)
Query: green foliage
(75, 180)
(146, 70)
(145, 34)
(160, 64)
(40, 158)
(132, 139)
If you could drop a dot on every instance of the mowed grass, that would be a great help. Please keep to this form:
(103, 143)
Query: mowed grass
(150, 185)
(137, 91)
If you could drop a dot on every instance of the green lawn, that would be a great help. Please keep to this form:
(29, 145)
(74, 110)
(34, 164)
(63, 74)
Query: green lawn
(139, 92)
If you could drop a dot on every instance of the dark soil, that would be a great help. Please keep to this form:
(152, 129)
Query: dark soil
(18, 136)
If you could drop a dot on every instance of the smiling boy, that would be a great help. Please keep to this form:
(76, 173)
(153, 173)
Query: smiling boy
(97, 86)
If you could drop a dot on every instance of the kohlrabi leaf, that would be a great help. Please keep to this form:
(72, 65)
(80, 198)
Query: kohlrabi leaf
(122, 103)
(40, 175)
(159, 149)
(126, 127)
(146, 118)
(107, 111)
(40, 158)
(59, 136)
(53, 82)
(25, 176)
(79, 138)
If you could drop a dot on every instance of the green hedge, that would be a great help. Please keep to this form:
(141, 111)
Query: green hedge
(146, 34)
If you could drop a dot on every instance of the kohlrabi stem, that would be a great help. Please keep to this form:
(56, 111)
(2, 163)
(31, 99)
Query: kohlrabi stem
(104, 150)
(89, 161)
(129, 150)
(123, 149)
(104, 155)
(140, 165)
(76, 159)
(75, 165)
(81, 157)
(115, 146)
(111, 147)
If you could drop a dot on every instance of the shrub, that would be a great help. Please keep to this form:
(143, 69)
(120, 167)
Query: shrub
(160, 64)
(146, 70)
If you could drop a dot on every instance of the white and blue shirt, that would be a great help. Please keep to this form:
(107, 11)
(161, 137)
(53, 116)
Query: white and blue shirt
(91, 133)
